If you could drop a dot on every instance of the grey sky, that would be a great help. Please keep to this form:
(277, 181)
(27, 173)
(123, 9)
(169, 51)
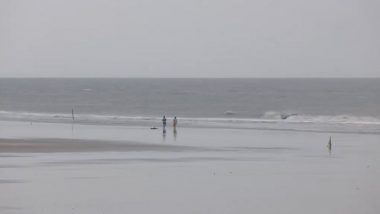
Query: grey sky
(189, 38)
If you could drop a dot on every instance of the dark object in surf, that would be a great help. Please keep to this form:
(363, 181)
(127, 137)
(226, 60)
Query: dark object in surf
(286, 116)
(153, 128)
(329, 144)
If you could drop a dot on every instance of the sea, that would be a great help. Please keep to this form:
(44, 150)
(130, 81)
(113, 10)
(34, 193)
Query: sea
(316, 105)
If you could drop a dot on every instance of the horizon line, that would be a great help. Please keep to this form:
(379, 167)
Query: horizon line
(189, 77)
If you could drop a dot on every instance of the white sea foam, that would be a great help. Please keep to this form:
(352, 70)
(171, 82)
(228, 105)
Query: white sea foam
(269, 120)
(339, 119)
(229, 112)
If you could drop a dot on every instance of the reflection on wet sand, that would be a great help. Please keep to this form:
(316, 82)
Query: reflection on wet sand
(9, 208)
(11, 181)
(175, 133)
(164, 134)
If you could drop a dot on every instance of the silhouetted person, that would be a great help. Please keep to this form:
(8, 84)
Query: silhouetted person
(175, 122)
(164, 122)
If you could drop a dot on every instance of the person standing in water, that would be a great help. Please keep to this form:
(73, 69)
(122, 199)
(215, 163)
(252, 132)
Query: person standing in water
(175, 128)
(175, 122)
(164, 122)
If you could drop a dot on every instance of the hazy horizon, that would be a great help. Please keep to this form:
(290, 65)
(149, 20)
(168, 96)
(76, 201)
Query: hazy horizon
(189, 39)
(284, 78)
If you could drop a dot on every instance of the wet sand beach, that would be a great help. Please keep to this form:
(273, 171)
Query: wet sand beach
(79, 145)
(55, 168)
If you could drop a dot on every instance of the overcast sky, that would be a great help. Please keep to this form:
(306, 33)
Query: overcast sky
(189, 38)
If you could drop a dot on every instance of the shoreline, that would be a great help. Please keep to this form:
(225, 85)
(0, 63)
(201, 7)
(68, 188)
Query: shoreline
(259, 126)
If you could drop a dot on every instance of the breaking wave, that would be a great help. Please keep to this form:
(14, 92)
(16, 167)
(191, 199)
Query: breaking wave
(304, 118)
(269, 120)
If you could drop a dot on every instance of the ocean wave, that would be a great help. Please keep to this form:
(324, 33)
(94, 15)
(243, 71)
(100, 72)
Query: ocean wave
(305, 118)
(229, 112)
(269, 120)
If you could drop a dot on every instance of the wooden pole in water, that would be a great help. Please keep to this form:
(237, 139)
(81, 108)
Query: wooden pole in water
(72, 114)
(329, 144)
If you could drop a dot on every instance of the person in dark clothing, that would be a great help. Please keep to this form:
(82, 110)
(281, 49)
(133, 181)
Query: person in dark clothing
(164, 122)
